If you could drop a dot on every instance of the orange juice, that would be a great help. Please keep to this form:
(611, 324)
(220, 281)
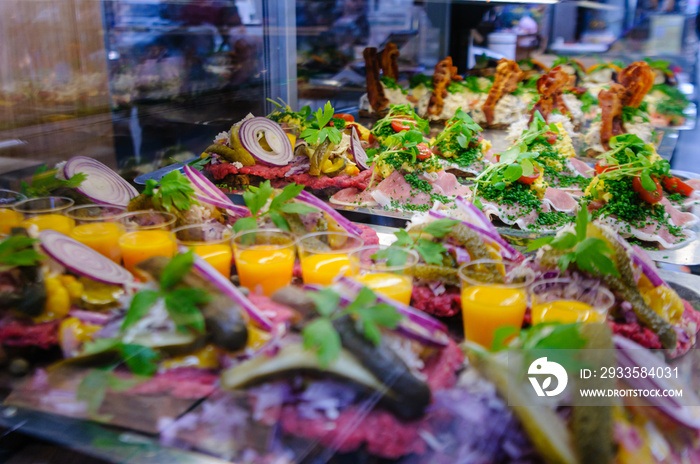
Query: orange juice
(490, 307)
(265, 266)
(51, 221)
(322, 268)
(395, 286)
(564, 311)
(219, 255)
(103, 237)
(8, 220)
(143, 244)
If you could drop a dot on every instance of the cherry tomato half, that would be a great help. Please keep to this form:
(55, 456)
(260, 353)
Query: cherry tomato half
(675, 185)
(423, 151)
(650, 197)
(551, 137)
(601, 168)
(529, 180)
(345, 116)
(400, 125)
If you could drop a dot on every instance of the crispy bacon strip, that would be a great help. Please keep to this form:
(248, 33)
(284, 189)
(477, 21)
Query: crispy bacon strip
(444, 74)
(637, 79)
(550, 86)
(611, 102)
(375, 91)
(508, 74)
(390, 65)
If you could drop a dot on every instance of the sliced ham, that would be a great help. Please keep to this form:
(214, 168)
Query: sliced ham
(679, 218)
(474, 169)
(448, 185)
(651, 232)
(511, 215)
(395, 188)
(581, 168)
(560, 200)
(353, 197)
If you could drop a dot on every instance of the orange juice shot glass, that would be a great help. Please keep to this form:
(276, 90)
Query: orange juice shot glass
(211, 241)
(565, 301)
(46, 213)
(324, 256)
(9, 218)
(392, 277)
(147, 234)
(493, 296)
(98, 227)
(264, 259)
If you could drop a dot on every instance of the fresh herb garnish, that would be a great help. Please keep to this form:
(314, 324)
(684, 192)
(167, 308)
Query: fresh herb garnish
(181, 303)
(173, 191)
(404, 113)
(318, 130)
(321, 336)
(590, 254)
(431, 252)
(18, 250)
(256, 198)
(44, 182)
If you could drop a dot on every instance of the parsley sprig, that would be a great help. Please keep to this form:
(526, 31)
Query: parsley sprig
(431, 252)
(318, 129)
(321, 336)
(18, 250)
(181, 303)
(173, 191)
(461, 126)
(404, 113)
(590, 254)
(44, 182)
(257, 198)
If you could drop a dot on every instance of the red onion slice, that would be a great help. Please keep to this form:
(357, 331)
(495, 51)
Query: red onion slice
(210, 194)
(250, 133)
(226, 287)
(83, 260)
(476, 214)
(647, 269)
(346, 224)
(102, 185)
(357, 151)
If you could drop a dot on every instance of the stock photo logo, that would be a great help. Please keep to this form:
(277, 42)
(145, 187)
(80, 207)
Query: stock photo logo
(539, 369)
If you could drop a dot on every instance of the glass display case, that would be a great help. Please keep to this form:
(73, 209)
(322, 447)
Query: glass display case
(145, 86)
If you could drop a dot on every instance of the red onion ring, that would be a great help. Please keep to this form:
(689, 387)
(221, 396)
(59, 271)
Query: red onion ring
(226, 287)
(357, 151)
(102, 185)
(309, 198)
(83, 260)
(210, 194)
(282, 151)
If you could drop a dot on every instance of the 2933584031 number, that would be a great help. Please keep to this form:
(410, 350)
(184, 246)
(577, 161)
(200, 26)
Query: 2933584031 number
(639, 372)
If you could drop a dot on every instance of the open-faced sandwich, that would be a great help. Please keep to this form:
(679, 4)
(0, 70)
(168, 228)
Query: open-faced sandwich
(383, 88)
(622, 110)
(500, 107)
(632, 193)
(460, 146)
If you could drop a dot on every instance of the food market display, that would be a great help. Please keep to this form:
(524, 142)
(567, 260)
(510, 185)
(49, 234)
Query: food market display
(280, 331)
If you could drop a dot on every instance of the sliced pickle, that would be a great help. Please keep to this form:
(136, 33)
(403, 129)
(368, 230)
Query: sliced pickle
(99, 296)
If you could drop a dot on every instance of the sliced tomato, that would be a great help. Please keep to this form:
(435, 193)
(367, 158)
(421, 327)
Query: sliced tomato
(529, 180)
(675, 185)
(400, 125)
(423, 151)
(601, 168)
(650, 197)
(345, 117)
(551, 137)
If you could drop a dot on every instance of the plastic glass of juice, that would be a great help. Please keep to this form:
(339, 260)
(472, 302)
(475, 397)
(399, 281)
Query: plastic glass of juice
(46, 213)
(9, 218)
(211, 241)
(147, 234)
(98, 227)
(494, 295)
(566, 301)
(264, 259)
(385, 270)
(324, 256)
